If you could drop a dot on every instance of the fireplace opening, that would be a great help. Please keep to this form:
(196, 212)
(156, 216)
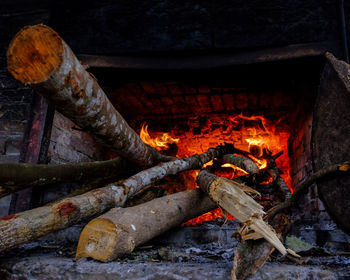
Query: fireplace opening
(255, 107)
(259, 106)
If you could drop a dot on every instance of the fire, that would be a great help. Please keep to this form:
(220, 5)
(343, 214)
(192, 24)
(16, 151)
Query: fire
(248, 133)
(160, 142)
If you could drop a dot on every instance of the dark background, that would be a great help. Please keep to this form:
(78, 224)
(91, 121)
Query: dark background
(129, 26)
(168, 28)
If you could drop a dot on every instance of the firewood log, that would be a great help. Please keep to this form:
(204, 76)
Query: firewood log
(38, 57)
(231, 196)
(277, 179)
(244, 163)
(23, 227)
(17, 176)
(120, 230)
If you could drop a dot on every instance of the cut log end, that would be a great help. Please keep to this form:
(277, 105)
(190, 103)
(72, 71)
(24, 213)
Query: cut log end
(34, 54)
(97, 243)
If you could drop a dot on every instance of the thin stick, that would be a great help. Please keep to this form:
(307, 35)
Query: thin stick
(333, 169)
(17, 176)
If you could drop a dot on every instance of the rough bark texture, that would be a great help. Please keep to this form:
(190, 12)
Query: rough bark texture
(38, 57)
(17, 176)
(229, 195)
(120, 230)
(242, 162)
(330, 136)
(26, 226)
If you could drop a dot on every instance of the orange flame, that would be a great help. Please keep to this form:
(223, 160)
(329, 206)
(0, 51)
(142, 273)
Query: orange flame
(251, 134)
(160, 143)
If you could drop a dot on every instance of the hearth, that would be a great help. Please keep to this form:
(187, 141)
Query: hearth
(265, 110)
(271, 102)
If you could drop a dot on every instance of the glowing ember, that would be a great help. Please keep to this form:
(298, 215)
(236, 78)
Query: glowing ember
(215, 214)
(251, 134)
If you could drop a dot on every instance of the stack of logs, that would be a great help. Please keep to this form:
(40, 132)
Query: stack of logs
(38, 57)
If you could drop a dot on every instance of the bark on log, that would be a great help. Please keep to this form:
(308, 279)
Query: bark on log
(120, 230)
(230, 196)
(244, 163)
(26, 226)
(38, 57)
(17, 176)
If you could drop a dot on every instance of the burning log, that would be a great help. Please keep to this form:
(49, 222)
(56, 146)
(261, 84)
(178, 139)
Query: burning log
(26, 226)
(120, 230)
(276, 177)
(244, 163)
(231, 196)
(38, 57)
(108, 236)
(17, 176)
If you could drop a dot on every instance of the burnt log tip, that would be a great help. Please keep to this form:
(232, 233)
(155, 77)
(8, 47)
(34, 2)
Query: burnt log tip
(205, 179)
(34, 54)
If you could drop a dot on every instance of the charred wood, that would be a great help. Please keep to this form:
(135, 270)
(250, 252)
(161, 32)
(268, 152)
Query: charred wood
(244, 163)
(276, 177)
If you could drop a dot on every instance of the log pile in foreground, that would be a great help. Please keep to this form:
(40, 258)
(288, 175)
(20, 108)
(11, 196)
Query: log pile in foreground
(26, 226)
(38, 57)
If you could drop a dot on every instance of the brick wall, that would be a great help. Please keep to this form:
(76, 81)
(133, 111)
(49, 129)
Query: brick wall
(68, 144)
(310, 206)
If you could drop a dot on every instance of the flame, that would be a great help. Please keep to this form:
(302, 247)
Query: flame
(248, 133)
(160, 143)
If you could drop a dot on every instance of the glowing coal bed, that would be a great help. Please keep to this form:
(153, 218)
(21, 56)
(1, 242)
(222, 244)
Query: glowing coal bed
(250, 134)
